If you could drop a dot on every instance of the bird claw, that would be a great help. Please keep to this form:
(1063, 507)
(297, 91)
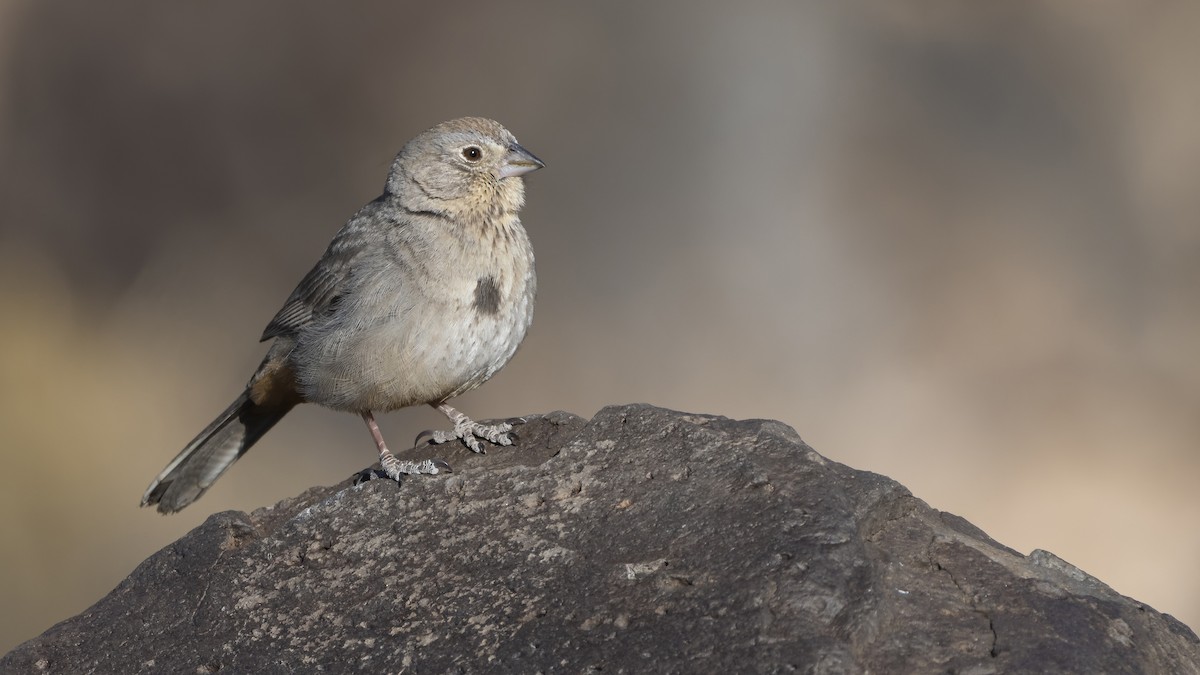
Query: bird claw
(396, 470)
(470, 432)
(401, 469)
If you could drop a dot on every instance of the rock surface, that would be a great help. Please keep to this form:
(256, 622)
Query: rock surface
(641, 541)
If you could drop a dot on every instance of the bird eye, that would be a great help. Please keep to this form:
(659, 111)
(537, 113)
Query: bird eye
(472, 153)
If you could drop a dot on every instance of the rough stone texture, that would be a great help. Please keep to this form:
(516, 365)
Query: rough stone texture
(644, 540)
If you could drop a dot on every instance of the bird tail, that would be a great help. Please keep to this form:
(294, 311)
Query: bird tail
(210, 453)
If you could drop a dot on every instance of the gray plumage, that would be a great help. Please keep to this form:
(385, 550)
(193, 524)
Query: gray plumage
(422, 296)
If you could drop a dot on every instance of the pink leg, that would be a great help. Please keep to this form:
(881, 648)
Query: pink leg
(393, 467)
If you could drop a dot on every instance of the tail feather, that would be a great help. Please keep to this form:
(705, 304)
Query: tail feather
(210, 453)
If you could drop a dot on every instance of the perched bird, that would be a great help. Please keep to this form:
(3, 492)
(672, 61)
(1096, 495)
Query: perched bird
(423, 295)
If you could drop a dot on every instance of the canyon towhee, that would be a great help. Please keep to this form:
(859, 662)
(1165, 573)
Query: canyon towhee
(423, 295)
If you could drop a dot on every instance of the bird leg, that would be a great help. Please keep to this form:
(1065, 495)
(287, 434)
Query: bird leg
(467, 430)
(393, 467)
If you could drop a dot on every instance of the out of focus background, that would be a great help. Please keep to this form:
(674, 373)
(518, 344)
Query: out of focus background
(954, 243)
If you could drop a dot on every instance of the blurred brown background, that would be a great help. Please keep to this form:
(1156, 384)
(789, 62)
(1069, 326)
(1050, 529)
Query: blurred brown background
(954, 243)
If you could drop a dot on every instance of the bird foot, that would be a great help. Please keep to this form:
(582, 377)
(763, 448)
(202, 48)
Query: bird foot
(394, 469)
(469, 432)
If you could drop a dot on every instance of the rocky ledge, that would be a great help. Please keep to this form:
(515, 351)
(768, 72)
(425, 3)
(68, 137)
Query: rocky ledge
(643, 540)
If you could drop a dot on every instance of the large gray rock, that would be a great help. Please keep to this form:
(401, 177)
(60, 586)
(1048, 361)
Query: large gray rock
(644, 540)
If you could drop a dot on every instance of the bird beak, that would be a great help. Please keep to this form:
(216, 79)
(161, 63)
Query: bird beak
(519, 162)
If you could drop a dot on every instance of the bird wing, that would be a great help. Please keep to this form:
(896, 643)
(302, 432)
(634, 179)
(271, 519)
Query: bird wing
(319, 290)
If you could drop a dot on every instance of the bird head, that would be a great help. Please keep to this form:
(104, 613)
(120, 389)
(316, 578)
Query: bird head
(463, 167)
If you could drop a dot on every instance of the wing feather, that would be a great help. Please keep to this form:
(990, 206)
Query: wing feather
(318, 291)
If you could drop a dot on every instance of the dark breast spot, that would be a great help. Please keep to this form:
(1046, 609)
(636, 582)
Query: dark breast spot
(487, 296)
